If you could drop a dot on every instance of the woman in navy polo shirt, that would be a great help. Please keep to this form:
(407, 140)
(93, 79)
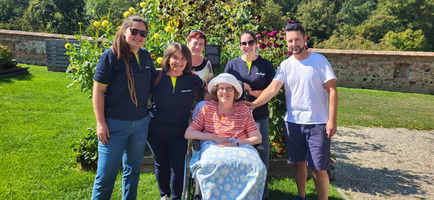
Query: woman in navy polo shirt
(120, 93)
(172, 100)
(256, 73)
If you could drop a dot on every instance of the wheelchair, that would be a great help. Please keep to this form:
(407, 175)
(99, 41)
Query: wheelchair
(191, 189)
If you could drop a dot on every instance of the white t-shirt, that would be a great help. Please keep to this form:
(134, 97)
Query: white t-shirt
(306, 96)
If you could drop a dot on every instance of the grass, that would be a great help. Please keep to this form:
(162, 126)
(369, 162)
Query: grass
(375, 108)
(40, 118)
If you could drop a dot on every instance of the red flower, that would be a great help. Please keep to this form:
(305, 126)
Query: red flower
(280, 139)
(261, 45)
(307, 37)
(275, 45)
(273, 33)
(289, 53)
(258, 36)
(269, 35)
(281, 38)
(264, 32)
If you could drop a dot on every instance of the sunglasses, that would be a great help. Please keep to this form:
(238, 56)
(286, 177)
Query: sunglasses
(136, 31)
(250, 43)
(291, 25)
(194, 31)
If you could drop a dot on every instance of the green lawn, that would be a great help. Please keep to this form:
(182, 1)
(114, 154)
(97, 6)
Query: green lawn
(40, 118)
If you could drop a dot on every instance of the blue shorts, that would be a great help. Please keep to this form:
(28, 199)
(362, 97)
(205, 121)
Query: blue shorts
(308, 142)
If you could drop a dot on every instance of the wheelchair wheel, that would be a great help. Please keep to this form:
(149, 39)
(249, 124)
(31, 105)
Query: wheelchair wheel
(188, 181)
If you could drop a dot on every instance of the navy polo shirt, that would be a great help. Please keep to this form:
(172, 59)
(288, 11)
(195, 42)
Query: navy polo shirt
(260, 76)
(171, 108)
(112, 72)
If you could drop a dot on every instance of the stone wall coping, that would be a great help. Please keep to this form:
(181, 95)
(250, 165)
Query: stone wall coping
(43, 35)
(366, 52)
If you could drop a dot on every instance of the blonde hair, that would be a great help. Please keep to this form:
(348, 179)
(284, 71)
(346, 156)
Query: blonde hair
(121, 49)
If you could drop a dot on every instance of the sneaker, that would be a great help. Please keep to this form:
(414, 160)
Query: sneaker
(165, 197)
(299, 198)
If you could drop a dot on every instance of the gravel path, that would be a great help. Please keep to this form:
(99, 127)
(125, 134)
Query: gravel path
(379, 163)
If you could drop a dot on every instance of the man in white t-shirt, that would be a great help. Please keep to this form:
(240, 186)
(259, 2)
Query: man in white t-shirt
(311, 109)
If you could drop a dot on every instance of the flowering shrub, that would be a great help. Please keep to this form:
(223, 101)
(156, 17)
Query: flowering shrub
(6, 57)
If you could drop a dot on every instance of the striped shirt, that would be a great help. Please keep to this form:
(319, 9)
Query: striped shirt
(236, 125)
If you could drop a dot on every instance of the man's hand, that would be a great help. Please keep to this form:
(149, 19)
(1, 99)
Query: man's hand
(102, 132)
(331, 128)
(249, 104)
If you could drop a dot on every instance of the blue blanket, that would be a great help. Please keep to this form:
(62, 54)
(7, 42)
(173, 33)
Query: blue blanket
(229, 172)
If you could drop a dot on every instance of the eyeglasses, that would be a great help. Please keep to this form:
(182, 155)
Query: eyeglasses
(137, 31)
(250, 43)
(228, 89)
(291, 25)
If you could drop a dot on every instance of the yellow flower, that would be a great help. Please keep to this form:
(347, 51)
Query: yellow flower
(97, 24)
(105, 23)
(75, 81)
(132, 10)
(169, 23)
(68, 46)
(159, 60)
(232, 27)
(93, 11)
(79, 23)
(168, 29)
(157, 36)
(61, 35)
(143, 4)
(194, 5)
(127, 14)
(153, 56)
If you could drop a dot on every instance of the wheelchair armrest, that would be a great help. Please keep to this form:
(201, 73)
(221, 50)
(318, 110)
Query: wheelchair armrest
(196, 145)
(259, 147)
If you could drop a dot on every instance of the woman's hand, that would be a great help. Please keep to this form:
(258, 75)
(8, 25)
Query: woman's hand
(102, 132)
(221, 140)
(228, 144)
(247, 87)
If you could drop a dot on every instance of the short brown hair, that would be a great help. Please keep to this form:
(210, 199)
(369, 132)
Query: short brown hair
(214, 93)
(170, 50)
(196, 34)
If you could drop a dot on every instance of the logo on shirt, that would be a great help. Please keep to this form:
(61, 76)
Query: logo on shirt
(185, 90)
(147, 67)
(260, 74)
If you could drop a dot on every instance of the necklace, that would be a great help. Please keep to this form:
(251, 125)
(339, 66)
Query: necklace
(225, 113)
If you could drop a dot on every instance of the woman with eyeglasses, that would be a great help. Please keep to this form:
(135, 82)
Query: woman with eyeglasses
(256, 73)
(202, 67)
(121, 88)
(227, 166)
(172, 100)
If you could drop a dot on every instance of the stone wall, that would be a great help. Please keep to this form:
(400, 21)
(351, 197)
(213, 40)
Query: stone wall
(384, 70)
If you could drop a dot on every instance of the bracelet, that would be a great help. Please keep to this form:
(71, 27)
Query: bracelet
(237, 143)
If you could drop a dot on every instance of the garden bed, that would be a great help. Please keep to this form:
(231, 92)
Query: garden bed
(13, 71)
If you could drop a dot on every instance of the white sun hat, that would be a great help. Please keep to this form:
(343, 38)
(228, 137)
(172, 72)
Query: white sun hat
(226, 78)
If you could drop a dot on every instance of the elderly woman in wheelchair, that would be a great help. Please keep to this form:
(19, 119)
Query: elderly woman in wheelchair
(227, 166)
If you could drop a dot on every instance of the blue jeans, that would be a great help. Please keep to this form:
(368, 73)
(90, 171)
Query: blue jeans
(126, 144)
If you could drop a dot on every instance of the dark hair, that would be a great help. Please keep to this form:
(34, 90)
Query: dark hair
(214, 93)
(170, 50)
(196, 35)
(121, 49)
(250, 33)
(295, 27)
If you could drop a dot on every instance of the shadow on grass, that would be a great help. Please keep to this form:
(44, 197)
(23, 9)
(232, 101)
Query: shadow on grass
(19, 77)
(377, 182)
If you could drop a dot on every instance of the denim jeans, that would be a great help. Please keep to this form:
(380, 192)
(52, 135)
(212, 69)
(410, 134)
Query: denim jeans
(126, 144)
